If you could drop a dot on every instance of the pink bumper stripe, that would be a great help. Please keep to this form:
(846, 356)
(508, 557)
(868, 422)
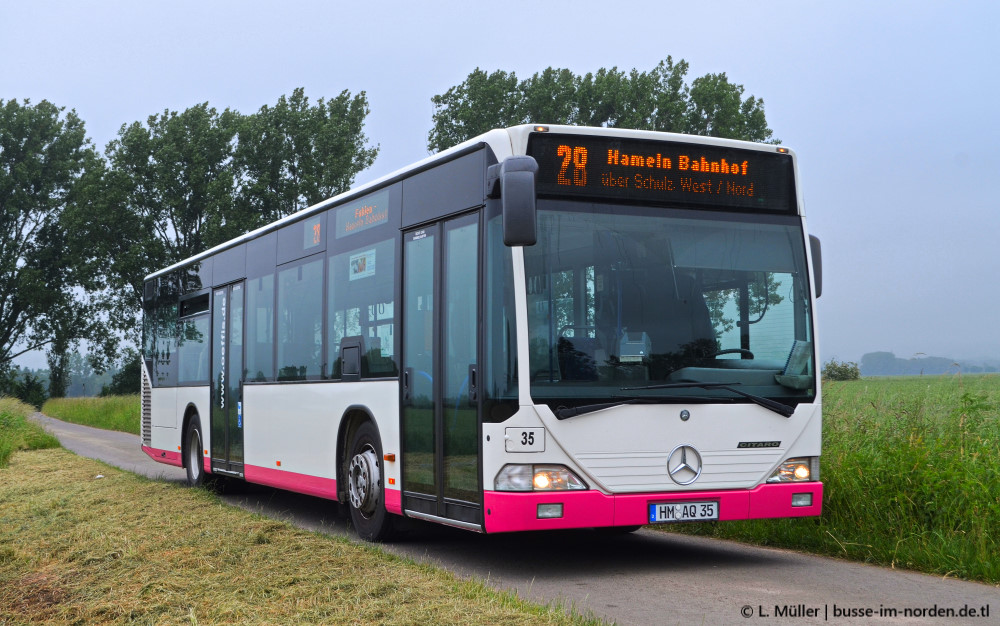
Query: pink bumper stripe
(299, 483)
(394, 501)
(164, 456)
(508, 512)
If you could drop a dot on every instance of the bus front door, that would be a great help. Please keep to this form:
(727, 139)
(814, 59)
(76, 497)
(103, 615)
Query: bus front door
(227, 387)
(440, 442)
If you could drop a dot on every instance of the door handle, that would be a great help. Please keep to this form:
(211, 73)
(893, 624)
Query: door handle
(407, 377)
(473, 385)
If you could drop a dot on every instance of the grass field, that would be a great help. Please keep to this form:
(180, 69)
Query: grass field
(911, 473)
(82, 543)
(16, 433)
(111, 413)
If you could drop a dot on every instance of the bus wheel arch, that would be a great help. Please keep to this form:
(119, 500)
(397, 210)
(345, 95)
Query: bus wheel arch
(361, 475)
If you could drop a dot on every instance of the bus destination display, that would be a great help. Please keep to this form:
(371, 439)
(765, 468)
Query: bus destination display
(658, 171)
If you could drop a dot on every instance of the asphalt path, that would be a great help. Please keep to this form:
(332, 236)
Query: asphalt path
(647, 577)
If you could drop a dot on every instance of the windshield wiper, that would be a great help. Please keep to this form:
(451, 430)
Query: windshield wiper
(566, 412)
(777, 407)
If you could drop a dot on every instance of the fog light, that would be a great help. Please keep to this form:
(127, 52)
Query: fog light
(802, 499)
(550, 511)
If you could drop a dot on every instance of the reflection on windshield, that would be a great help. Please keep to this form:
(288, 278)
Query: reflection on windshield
(630, 296)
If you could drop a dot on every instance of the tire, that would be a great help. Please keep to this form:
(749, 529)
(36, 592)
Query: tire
(194, 456)
(364, 473)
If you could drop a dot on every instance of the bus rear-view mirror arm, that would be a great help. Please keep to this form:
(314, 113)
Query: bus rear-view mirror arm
(513, 181)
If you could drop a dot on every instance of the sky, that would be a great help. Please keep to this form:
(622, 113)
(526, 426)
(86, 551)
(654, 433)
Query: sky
(893, 109)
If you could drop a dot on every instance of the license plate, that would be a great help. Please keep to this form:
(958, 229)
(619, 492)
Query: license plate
(683, 512)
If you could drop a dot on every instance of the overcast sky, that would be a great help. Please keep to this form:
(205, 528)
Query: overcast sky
(892, 107)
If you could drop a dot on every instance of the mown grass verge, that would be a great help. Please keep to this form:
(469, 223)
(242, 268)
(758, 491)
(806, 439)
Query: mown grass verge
(79, 548)
(17, 433)
(119, 413)
(911, 473)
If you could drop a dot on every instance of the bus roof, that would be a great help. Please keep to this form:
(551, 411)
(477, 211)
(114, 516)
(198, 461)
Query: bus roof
(503, 143)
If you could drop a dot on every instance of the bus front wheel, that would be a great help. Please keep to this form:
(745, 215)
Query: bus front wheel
(365, 490)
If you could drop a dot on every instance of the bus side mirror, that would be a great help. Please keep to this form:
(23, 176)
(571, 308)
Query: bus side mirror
(513, 181)
(148, 293)
(817, 258)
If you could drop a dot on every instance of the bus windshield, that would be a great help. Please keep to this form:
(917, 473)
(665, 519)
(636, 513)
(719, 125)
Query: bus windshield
(624, 297)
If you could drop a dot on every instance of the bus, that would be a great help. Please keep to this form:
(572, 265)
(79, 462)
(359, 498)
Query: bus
(544, 327)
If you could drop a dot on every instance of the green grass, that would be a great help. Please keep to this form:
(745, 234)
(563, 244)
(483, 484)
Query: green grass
(911, 473)
(84, 543)
(17, 433)
(119, 413)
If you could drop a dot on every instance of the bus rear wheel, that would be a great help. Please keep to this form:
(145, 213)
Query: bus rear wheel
(194, 458)
(365, 487)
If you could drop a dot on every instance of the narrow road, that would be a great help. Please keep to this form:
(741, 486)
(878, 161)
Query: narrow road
(648, 577)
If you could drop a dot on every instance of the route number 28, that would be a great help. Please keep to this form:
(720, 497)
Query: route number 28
(575, 157)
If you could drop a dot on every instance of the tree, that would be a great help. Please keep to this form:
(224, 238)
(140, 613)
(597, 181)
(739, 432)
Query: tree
(184, 182)
(126, 380)
(717, 108)
(481, 102)
(171, 177)
(44, 157)
(58, 359)
(655, 100)
(835, 370)
(26, 386)
(291, 156)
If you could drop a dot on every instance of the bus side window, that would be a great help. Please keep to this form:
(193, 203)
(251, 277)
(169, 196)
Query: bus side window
(300, 320)
(361, 292)
(260, 328)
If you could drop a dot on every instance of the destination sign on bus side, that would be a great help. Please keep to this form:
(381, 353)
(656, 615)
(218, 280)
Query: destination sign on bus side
(363, 214)
(686, 173)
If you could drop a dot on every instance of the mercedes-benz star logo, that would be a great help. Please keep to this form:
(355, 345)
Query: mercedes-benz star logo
(684, 465)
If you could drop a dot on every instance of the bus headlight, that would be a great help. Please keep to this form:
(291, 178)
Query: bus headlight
(537, 478)
(798, 470)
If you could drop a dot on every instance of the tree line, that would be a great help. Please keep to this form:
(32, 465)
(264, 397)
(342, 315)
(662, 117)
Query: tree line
(80, 228)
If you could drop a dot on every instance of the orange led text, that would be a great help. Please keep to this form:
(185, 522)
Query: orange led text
(715, 167)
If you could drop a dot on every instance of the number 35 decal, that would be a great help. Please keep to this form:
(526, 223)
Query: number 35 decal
(524, 439)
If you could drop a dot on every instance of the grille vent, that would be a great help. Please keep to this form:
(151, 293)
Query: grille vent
(147, 408)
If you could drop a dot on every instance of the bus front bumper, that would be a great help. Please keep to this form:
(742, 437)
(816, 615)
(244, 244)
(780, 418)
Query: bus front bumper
(516, 511)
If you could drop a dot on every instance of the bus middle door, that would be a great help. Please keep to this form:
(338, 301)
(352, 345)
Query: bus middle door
(227, 383)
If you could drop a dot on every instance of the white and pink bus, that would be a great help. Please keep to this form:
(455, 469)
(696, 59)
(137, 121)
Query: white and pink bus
(544, 327)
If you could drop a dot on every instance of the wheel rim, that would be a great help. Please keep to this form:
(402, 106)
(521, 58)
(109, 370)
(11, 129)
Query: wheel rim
(363, 481)
(194, 454)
